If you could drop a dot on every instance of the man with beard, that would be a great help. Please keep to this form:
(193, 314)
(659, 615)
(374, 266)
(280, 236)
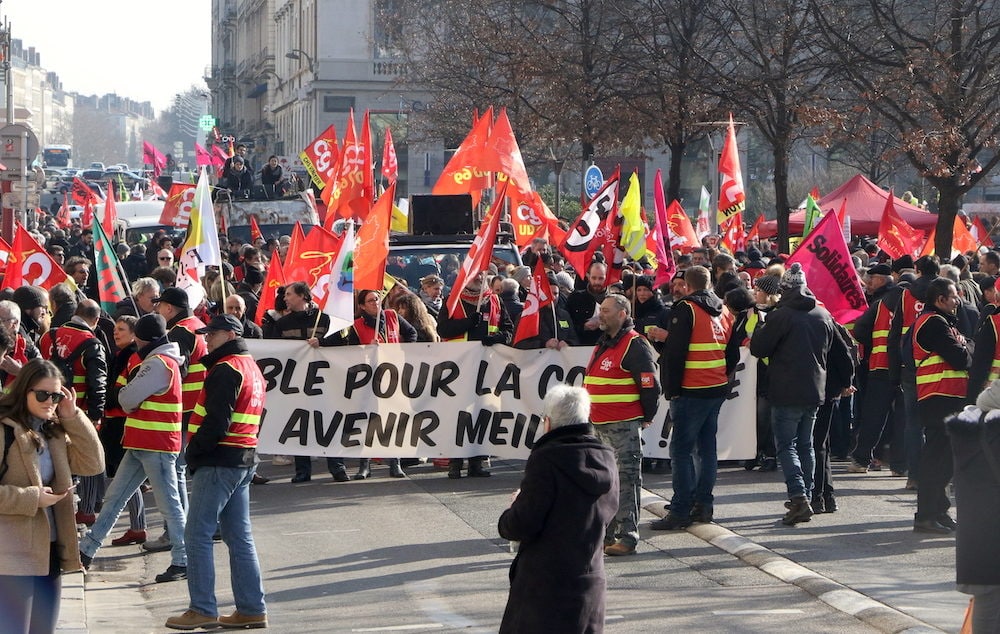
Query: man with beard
(583, 305)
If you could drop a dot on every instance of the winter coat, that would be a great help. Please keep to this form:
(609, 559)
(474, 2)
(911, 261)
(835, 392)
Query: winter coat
(24, 548)
(568, 495)
(975, 438)
(796, 338)
(675, 349)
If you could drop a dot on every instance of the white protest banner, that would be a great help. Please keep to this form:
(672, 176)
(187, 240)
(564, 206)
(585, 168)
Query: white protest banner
(440, 400)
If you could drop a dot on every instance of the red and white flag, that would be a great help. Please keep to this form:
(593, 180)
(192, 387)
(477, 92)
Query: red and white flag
(153, 157)
(539, 296)
(480, 253)
(177, 208)
(732, 197)
(589, 231)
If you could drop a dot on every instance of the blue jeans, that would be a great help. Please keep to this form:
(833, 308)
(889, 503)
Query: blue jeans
(221, 495)
(138, 465)
(793, 433)
(696, 421)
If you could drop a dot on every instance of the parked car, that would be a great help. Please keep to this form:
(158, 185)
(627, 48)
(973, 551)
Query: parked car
(97, 165)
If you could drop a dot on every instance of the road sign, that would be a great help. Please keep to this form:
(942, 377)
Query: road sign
(593, 180)
(206, 122)
(31, 187)
(15, 200)
(11, 136)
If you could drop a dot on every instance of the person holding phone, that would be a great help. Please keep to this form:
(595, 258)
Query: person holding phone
(46, 439)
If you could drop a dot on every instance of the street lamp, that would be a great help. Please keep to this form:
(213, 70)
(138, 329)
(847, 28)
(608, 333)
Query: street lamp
(297, 54)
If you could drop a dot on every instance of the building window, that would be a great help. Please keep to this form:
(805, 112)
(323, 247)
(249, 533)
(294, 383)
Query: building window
(333, 103)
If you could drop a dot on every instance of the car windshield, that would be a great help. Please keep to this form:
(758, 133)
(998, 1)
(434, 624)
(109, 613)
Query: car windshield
(412, 262)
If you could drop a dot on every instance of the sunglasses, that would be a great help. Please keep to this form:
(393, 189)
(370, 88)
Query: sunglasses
(43, 395)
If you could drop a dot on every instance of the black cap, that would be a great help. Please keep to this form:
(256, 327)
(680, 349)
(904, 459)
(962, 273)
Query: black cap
(880, 269)
(150, 327)
(175, 297)
(223, 322)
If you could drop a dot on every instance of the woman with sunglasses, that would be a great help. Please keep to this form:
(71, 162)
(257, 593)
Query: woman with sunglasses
(49, 439)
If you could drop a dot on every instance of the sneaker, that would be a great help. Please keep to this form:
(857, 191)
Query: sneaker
(130, 537)
(875, 465)
(86, 560)
(237, 621)
(799, 510)
(172, 573)
(192, 620)
(769, 464)
(931, 526)
(157, 545)
(856, 467)
(281, 461)
(341, 476)
(701, 515)
(830, 503)
(672, 522)
(947, 521)
(619, 549)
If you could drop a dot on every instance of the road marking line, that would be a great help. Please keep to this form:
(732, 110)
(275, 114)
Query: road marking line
(346, 530)
(742, 612)
(401, 628)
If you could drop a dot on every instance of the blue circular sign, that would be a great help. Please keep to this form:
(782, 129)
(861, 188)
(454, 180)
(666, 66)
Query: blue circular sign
(593, 180)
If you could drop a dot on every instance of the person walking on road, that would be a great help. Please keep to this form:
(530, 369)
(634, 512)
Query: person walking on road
(696, 382)
(796, 337)
(625, 394)
(222, 455)
(570, 487)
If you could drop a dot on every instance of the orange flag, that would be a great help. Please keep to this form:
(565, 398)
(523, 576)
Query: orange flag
(351, 190)
(15, 261)
(313, 258)
(980, 232)
(255, 232)
(390, 165)
(503, 154)
(296, 242)
(895, 237)
(275, 279)
(371, 249)
(465, 172)
(961, 239)
(682, 235)
(755, 229)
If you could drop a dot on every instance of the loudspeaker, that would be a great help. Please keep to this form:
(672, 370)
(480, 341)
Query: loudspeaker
(441, 215)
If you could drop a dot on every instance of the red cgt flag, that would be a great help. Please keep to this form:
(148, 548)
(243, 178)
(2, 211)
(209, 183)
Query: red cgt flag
(313, 258)
(732, 196)
(272, 282)
(895, 237)
(466, 173)
(30, 265)
(539, 296)
(321, 156)
(390, 165)
(177, 208)
(480, 253)
(255, 232)
(682, 234)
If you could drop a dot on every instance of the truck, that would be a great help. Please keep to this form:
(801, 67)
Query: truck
(275, 217)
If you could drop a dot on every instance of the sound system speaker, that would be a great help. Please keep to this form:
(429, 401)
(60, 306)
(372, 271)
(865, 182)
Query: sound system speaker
(441, 215)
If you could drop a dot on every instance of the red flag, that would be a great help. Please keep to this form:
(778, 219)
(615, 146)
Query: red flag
(177, 208)
(62, 218)
(371, 248)
(480, 253)
(895, 237)
(663, 249)
(296, 241)
(829, 272)
(312, 260)
(275, 278)
(755, 229)
(503, 154)
(202, 157)
(82, 193)
(255, 232)
(980, 232)
(682, 235)
(842, 214)
(4, 254)
(961, 239)
(321, 156)
(153, 157)
(733, 235)
(814, 192)
(539, 296)
(354, 187)
(87, 217)
(465, 173)
(219, 156)
(110, 212)
(30, 265)
(390, 165)
(732, 197)
(589, 231)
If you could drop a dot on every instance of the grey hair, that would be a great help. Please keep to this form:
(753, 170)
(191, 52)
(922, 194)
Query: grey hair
(509, 284)
(144, 284)
(566, 405)
(950, 272)
(621, 303)
(11, 308)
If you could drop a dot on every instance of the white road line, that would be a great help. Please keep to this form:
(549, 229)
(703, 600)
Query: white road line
(346, 530)
(744, 612)
(401, 628)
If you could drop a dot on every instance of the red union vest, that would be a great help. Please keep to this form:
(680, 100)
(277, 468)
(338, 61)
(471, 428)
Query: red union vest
(614, 395)
(133, 362)
(19, 354)
(156, 424)
(911, 307)
(934, 376)
(245, 422)
(195, 378)
(878, 359)
(366, 334)
(705, 365)
(64, 340)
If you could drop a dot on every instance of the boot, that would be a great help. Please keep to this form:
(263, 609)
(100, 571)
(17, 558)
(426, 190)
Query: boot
(799, 510)
(364, 469)
(476, 469)
(455, 468)
(395, 469)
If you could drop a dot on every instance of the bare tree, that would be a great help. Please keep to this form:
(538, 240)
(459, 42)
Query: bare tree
(927, 71)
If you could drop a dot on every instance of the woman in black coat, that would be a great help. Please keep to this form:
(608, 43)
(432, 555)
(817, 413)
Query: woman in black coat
(568, 495)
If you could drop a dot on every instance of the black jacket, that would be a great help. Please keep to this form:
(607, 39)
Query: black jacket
(919, 290)
(224, 384)
(549, 329)
(581, 306)
(675, 349)
(942, 337)
(91, 354)
(796, 337)
(475, 324)
(652, 312)
(864, 325)
(297, 325)
(570, 488)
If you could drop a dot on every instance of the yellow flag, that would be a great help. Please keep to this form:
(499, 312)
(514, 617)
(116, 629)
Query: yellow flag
(399, 221)
(633, 229)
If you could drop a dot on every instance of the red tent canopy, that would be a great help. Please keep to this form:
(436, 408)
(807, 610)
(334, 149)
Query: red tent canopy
(865, 204)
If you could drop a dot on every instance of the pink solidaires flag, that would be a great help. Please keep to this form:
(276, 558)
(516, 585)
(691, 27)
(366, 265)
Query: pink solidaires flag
(152, 156)
(829, 272)
(664, 254)
(201, 155)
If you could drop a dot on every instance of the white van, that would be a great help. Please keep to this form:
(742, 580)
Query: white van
(134, 209)
(142, 228)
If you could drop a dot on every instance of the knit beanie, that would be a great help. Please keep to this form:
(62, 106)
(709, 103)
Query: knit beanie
(28, 297)
(150, 327)
(794, 277)
(768, 284)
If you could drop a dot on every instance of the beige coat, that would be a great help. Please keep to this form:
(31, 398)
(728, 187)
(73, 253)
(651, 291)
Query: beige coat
(24, 545)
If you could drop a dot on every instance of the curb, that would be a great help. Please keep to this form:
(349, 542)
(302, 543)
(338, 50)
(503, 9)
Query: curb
(73, 608)
(836, 595)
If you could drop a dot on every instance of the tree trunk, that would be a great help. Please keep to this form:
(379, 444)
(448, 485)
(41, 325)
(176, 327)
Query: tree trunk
(674, 177)
(781, 205)
(949, 202)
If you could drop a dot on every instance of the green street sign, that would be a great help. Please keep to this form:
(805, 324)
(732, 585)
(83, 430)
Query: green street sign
(206, 122)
